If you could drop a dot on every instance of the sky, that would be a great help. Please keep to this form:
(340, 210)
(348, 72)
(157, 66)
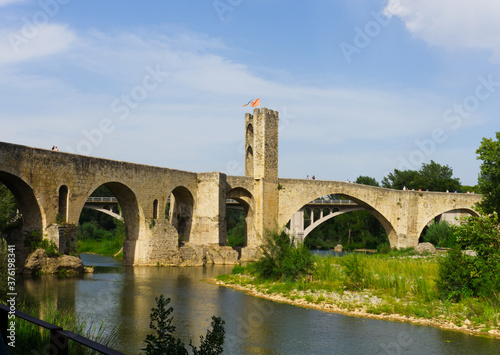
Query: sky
(361, 87)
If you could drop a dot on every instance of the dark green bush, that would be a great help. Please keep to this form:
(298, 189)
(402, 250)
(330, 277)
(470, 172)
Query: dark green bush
(237, 269)
(441, 234)
(282, 258)
(479, 276)
(355, 271)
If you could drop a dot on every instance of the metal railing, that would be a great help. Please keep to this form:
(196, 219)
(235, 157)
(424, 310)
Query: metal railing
(102, 199)
(328, 201)
(58, 336)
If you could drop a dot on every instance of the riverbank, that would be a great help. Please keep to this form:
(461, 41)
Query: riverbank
(381, 287)
(355, 304)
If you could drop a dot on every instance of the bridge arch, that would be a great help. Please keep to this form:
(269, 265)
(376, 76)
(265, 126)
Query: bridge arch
(329, 216)
(129, 206)
(180, 211)
(246, 200)
(32, 213)
(361, 202)
(452, 213)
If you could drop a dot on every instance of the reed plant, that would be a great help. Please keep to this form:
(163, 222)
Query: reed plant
(34, 338)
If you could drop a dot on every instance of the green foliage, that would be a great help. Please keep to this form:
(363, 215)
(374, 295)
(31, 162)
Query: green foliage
(94, 239)
(455, 275)
(102, 191)
(367, 180)
(436, 177)
(60, 219)
(489, 176)
(213, 343)
(3, 266)
(237, 269)
(432, 177)
(235, 228)
(462, 275)
(8, 210)
(440, 235)
(354, 268)
(354, 230)
(35, 241)
(36, 339)
(164, 341)
(282, 258)
(50, 247)
(401, 178)
(32, 240)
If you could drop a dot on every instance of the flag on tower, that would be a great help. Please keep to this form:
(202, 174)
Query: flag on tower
(247, 103)
(255, 103)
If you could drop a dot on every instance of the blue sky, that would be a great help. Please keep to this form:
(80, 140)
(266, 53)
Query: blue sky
(362, 87)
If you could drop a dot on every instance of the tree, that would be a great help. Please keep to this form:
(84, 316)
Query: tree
(489, 176)
(400, 179)
(461, 275)
(432, 177)
(437, 177)
(165, 342)
(367, 180)
(8, 208)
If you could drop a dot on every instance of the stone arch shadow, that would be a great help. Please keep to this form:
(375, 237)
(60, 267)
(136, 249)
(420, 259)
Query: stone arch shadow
(180, 212)
(31, 212)
(246, 200)
(130, 213)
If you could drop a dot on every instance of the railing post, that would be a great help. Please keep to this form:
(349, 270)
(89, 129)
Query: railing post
(58, 342)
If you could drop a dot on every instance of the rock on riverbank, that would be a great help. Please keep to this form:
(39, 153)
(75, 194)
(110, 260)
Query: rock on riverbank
(40, 262)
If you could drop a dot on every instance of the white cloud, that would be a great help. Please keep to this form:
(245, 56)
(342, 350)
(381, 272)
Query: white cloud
(20, 45)
(196, 109)
(452, 24)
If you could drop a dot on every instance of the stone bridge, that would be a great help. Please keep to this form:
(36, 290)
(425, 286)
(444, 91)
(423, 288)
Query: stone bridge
(160, 204)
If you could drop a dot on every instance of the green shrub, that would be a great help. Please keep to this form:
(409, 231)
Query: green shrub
(32, 239)
(384, 248)
(355, 270)
(461, 275)
(282, 258)
(237, 269)
(440, 235)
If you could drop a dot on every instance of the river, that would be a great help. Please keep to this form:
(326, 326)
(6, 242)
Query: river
(122, 297)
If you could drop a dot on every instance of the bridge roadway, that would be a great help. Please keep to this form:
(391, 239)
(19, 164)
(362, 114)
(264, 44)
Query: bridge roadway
(51, 185)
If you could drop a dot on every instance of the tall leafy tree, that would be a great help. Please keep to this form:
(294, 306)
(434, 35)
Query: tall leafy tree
(367, 180)
(437, 177)
(489, 176)
(401, 178)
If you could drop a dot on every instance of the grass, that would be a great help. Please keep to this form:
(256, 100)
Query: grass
(380, 284)
(31, 338)
(109, 246)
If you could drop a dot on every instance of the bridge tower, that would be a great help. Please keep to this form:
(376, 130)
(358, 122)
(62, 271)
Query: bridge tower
(261, 163)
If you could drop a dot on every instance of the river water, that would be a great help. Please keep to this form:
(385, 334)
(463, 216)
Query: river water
(122, 297)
